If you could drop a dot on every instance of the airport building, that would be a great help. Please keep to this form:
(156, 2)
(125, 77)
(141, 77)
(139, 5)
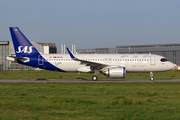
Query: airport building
(7, 49)
(96, 51)
(170, 51)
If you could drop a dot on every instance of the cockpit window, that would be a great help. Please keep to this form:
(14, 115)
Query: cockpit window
(163, 60)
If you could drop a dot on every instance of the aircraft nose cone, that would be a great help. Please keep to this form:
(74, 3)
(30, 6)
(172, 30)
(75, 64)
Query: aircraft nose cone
(171, 66)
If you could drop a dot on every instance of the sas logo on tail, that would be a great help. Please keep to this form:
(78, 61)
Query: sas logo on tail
(24, 50)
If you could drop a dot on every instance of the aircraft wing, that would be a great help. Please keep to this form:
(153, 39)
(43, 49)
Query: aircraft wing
(88, 63)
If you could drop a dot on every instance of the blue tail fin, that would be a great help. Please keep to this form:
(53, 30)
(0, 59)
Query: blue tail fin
(22, 46)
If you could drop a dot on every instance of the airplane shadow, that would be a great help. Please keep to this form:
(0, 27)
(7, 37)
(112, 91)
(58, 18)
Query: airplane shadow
(104, 80)
(42, 80)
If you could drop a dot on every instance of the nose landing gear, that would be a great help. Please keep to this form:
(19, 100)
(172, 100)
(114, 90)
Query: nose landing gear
(151, 76)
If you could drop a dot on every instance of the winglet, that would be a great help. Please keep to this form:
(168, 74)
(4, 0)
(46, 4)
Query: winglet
(70, 53)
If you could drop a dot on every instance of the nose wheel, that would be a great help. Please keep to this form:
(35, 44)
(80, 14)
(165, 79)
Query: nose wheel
(151, 76)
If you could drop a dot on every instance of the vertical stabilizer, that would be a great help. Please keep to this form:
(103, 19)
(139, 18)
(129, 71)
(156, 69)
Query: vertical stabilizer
(22, 46)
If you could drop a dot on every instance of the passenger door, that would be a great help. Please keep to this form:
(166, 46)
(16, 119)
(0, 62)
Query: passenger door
(40, 60)
(152, 60)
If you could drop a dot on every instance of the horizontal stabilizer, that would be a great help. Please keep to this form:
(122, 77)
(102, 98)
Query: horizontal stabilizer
(14, 58)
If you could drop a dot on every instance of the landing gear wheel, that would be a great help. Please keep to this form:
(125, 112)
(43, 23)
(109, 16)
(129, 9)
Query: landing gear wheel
(151, 78)
(94, 78)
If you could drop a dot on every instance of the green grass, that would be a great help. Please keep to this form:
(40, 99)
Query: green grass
(99, 101)
(44, 74)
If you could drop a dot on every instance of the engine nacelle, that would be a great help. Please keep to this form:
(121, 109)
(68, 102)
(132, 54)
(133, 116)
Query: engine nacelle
(116, 72)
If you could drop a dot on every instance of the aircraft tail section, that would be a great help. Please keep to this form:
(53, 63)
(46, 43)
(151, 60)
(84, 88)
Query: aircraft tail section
(22, 46)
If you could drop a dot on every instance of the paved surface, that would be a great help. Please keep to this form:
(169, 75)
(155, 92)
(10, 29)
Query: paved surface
(83, 80)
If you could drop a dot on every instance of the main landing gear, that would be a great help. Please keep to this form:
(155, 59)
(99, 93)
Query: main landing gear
(95, 78)
(151, 76)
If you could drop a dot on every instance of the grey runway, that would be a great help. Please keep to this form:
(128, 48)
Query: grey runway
(81, 80)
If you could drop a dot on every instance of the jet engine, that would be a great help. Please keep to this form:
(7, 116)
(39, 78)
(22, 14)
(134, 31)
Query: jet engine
(116, 72)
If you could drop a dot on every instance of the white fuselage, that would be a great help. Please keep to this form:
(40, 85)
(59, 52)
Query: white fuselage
(132, 62)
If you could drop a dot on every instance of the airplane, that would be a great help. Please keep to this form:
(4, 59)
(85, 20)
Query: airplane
(112, 65)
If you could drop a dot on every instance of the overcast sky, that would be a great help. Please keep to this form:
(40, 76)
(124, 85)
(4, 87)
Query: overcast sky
(92, 23)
